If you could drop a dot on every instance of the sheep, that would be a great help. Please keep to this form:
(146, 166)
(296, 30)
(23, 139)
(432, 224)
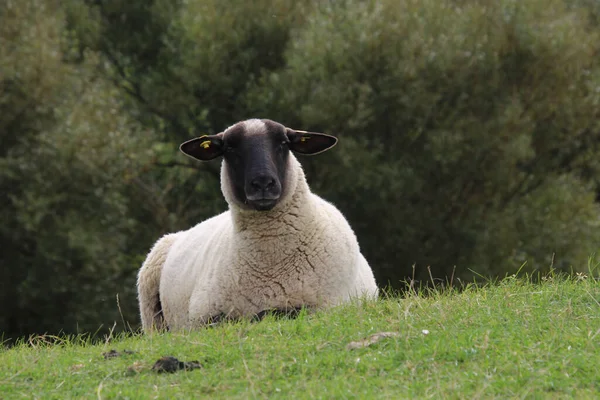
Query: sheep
(279, 246)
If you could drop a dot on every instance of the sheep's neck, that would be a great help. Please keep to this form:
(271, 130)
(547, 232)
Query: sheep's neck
(289, 219)
(276, 243)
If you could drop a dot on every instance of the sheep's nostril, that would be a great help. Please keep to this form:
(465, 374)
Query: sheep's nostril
(270, 184)
(255, 185)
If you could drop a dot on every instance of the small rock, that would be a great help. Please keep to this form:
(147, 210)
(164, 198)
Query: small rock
(135, 368)
(77, 367)
(171, 364)
(374, 338)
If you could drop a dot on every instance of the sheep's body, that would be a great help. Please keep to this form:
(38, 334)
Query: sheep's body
(303, 253)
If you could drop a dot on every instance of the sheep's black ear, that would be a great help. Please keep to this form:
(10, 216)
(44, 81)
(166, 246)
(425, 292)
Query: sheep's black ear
(310, 143)
(204, 148)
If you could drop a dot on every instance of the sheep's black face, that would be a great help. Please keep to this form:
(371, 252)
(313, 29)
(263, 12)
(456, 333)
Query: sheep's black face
(256, 156)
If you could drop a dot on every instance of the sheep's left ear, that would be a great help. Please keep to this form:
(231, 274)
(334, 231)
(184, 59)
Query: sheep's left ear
(310, 143)
(204, 148)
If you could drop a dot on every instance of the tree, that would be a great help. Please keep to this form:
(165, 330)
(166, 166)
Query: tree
(469, 134)
(67, 159)
(477, 119)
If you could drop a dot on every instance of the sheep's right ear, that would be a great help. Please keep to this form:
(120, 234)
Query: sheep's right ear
(309, 143)
(204, 148)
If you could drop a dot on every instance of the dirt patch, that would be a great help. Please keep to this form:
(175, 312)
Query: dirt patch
(113, 353)
(171, 364)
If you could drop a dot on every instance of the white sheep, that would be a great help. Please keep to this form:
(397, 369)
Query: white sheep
(279, 246)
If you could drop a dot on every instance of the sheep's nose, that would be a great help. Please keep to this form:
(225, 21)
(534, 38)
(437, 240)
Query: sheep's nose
(263, 192)
(262, 183)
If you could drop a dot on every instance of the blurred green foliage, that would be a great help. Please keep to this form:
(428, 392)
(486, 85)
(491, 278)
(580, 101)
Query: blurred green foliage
(469, 135)
(68, 156)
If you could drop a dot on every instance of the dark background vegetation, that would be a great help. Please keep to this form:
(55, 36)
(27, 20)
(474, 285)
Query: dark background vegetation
(469, 135)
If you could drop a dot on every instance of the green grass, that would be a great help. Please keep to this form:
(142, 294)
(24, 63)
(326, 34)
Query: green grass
(513, 339)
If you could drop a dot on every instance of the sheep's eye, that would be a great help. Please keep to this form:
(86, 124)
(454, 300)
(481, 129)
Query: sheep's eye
(281, 147)
(232, 152)
(230, 147)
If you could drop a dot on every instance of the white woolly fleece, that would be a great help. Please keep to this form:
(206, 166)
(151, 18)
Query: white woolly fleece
(301, 253)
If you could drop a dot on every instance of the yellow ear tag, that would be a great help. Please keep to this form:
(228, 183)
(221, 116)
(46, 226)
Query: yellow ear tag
(304, 138)
(205, 144)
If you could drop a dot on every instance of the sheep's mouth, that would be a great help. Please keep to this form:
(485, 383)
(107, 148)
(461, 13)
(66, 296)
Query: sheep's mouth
(263, 204)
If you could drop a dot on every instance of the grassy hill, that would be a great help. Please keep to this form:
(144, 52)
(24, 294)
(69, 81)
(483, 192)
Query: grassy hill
(512, 339)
